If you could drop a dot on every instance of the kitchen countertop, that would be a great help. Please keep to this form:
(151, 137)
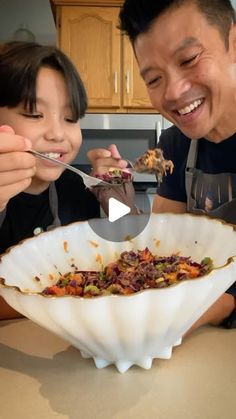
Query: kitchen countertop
(43, 377)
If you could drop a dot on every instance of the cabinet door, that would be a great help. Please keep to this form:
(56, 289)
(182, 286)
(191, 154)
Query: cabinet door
(134, 90)
(90, 37)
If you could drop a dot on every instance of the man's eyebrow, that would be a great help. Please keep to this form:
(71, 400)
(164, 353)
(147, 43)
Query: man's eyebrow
(187, 42)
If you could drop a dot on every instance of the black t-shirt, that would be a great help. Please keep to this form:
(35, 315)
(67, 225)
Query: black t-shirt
(26, 212)
(212, 159)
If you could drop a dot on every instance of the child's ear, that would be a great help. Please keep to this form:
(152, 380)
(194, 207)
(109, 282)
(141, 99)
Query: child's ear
(232, 41)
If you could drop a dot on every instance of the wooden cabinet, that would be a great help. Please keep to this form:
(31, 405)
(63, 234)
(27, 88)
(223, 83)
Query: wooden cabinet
(90, 37)
(134, 93)
(103, 56)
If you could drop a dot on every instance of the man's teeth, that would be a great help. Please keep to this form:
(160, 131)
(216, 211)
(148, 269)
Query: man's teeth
(190, 107)
(53, 155)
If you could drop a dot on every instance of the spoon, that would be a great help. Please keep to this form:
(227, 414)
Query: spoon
(89, 181)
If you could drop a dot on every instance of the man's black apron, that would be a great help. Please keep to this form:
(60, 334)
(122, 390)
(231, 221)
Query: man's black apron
(213, 195)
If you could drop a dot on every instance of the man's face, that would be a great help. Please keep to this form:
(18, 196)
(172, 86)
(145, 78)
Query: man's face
(189, 73)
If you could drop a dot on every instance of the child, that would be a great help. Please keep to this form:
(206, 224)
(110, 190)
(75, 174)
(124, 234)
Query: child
(42, 99)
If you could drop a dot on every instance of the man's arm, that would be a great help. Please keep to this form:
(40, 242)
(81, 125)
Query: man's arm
(219, 311)
(161, 204)
(224, 306)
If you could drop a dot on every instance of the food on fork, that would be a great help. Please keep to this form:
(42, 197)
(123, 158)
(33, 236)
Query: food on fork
(116, 176)
(153, 161)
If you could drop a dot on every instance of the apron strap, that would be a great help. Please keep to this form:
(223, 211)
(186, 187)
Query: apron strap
(191, 164)
(2, 216)
(53, 203)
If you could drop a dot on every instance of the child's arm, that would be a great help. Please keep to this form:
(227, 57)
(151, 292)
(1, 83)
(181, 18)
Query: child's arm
(7, 312)
(16, 171)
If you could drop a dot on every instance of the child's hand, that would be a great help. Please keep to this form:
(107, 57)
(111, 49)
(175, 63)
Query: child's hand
(103, 160)
(16, 166)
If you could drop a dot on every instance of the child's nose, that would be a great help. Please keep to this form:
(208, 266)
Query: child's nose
(54, 131)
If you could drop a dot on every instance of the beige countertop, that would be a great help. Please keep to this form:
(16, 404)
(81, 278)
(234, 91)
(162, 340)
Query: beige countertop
(42, 377)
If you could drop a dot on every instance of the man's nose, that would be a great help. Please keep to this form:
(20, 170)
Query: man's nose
(176, 87)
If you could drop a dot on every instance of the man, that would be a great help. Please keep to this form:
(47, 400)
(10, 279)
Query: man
(186, 52)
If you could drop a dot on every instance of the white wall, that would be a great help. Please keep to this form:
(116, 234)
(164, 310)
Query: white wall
(35, 14)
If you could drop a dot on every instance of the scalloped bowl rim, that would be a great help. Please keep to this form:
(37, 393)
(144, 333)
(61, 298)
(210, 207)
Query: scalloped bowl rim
(230, 260)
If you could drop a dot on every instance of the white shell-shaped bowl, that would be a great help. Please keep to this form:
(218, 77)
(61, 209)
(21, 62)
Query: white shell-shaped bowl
(120, 330)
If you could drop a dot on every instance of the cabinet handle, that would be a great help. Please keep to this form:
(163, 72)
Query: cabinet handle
(127, 78)
(158, 132)
(116, 82)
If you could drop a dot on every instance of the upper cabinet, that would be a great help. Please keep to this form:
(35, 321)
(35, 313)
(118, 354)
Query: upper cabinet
(90, 37)
(102, 55)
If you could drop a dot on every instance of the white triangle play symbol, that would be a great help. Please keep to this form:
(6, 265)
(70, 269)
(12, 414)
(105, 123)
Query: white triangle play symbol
(116, 210)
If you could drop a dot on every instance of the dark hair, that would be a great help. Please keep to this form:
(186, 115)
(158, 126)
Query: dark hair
(136, 16)
(20, 63)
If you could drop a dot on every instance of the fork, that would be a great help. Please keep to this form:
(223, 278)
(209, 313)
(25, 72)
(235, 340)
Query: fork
(89, 181)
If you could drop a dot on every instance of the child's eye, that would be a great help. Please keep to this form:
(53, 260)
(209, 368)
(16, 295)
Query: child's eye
(70, 120)
(32, 115)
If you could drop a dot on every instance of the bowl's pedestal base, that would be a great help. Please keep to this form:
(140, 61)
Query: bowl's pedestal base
(124, 364)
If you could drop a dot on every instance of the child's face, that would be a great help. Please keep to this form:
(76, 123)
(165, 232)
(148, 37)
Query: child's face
(50, 128)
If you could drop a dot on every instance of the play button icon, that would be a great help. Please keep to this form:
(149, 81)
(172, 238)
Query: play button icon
(116, 210)
(120, 224)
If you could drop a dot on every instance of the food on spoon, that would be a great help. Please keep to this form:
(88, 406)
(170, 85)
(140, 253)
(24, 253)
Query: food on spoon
(116, 176)
(152, 161)
(134, 271)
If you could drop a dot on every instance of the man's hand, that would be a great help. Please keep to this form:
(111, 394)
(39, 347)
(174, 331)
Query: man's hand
(16, 166)
(102, 161)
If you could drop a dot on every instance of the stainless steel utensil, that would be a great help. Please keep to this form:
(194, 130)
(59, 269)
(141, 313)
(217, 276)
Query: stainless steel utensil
(89, 181)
